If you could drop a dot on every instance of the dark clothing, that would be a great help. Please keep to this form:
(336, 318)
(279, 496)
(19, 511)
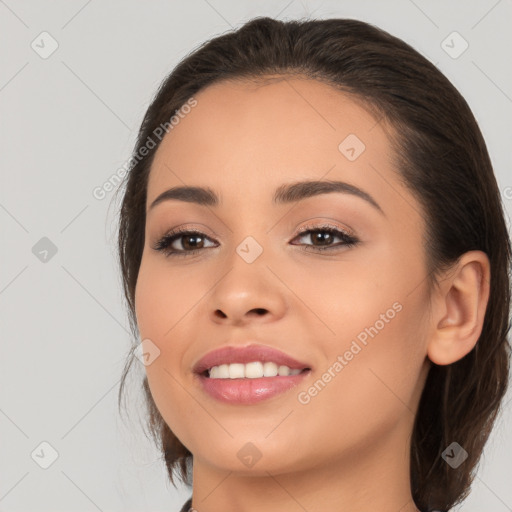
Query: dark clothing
(187, 505)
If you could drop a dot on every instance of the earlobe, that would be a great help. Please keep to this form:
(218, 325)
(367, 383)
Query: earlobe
(459, 309)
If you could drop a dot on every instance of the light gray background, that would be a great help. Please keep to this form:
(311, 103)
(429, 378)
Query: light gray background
(68, 122)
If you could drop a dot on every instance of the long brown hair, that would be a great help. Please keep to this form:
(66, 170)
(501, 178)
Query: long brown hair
(442, 158)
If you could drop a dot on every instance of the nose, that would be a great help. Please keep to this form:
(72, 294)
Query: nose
(255, 312)
(247, 293)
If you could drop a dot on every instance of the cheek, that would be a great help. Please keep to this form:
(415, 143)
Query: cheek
(373, 359)
(162, 298)
(372, 377)
(161, 304)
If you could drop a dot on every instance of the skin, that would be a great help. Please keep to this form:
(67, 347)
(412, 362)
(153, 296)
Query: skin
(348, 448)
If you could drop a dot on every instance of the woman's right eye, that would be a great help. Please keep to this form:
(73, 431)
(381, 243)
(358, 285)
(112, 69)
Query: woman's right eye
(191, 241)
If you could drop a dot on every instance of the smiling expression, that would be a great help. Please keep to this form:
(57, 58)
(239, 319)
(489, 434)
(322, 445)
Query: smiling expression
(239, 169)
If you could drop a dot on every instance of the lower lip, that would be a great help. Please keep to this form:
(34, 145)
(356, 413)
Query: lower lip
(249, 391)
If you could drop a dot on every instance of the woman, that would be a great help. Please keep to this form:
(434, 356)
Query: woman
(314, 255)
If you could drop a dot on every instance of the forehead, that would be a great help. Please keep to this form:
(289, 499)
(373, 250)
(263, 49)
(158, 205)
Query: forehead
(255, 135)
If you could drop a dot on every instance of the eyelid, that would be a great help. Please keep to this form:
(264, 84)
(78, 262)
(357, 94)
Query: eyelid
(186, 228)
(318, 225)
(163, 242)
(309, 226)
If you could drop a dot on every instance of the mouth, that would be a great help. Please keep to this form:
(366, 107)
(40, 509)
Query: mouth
(251, 361)
(254, 370)
(245, 375)
(240, 390)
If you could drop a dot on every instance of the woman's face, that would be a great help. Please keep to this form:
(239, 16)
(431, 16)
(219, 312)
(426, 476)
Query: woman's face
(357, 314)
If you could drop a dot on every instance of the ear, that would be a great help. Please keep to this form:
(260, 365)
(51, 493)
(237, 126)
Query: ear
(458, 308)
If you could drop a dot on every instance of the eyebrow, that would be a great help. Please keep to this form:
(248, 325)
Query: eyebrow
(284, 194)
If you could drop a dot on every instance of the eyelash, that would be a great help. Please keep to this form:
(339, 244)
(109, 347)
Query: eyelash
(164, 242)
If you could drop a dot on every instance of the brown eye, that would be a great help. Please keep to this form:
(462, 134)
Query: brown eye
(181, 243)
(197, 242)
(323, 237)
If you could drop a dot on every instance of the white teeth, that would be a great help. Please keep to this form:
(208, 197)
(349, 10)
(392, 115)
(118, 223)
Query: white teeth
(253, 370)
(236, 371)
(270, 369)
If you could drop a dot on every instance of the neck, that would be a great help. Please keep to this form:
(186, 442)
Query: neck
(375, 476)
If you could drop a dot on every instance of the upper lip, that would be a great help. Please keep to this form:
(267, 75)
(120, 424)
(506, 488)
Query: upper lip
(247, 354)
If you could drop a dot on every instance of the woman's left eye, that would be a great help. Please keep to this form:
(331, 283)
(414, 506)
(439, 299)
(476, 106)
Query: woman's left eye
(323, 236)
